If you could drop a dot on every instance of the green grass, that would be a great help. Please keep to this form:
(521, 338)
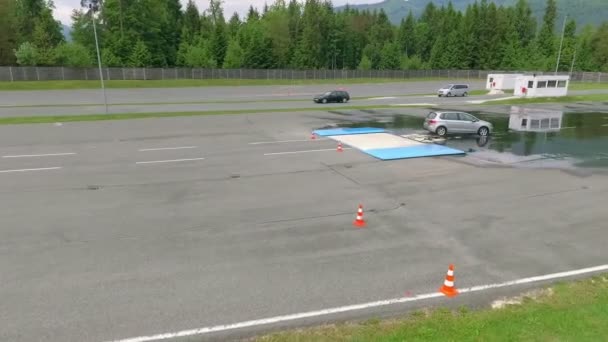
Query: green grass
(575, 311)
(560, 99)
(587, 86)
(128, 116)
(57, 85)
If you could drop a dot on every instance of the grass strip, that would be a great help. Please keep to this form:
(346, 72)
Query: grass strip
(128, 116)
(559, 99)
(568, 311)
(62, 85)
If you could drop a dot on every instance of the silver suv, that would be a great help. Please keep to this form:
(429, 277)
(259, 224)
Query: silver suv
(454, 90)
(456, 122)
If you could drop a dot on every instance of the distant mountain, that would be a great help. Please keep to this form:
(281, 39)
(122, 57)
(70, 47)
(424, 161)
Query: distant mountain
(67, 32)
(583, 11)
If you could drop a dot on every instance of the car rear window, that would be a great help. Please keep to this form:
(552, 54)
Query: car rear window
(431, 115)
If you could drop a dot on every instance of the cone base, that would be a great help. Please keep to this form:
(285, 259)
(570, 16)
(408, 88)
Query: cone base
(448, 291)
(359, 223)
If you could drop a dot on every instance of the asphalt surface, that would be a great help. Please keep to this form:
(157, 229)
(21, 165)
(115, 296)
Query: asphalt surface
(112, 237)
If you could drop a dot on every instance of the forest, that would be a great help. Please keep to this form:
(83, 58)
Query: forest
(300, 35)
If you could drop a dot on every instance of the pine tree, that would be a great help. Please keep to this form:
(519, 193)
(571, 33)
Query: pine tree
(406, 35)
(546, 36)
(140, 56)
(365, 63)
(109, 59)
(219, 39)
(584, 60)
(27, 54)
(234, 55)
(568, 46)
(234, 25)
(525, 23)
(600, 47)
(191, 23)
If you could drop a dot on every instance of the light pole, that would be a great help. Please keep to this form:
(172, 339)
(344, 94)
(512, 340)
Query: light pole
(93, 6)
(560, 44)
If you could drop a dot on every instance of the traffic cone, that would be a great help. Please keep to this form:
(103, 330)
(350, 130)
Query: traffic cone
(448, 288)
(339, 147)
(359, 222)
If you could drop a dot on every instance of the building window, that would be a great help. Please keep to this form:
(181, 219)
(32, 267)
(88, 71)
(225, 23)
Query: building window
(554, 122)
(561, 84)
(551, 84)
(530, 84)
(541, 84)
(544, 123)
(534, 123)
(524, 123)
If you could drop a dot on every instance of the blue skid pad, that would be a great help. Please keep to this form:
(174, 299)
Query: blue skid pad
(423, 150)
(346, 131)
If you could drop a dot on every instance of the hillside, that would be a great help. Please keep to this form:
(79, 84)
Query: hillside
(583, 11)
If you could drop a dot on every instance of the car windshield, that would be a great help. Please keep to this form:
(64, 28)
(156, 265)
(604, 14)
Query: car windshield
(327, 93)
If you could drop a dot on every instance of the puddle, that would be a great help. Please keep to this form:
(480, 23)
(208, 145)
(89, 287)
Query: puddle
(523, 137)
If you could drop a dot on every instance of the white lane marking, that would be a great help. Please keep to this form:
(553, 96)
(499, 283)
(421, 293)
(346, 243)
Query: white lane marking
(413, 104)
(276, 319)
(284, 141)
(168, 161)
(573, 127)
(606, 125)
(167, 148)
(293, 152)
(382, 98)
(40, 155)
(27, 170)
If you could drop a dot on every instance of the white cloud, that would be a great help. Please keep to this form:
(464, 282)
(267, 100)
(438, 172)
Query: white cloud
(63, 8)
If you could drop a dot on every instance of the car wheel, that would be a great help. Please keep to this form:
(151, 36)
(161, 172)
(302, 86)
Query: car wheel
(483, 131)
(439, 95)
(465, 94)
(441, 131)
(324, 101)
(449, 94)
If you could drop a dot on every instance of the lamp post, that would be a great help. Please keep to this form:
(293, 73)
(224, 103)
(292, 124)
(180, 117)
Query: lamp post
(93, 6)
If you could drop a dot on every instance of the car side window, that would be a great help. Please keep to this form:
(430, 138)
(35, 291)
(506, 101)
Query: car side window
(449, 116)
(465, 117)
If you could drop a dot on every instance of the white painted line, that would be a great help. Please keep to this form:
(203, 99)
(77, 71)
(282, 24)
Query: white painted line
(573, 127)
(294, 152)
(413, 104)
(606, 125)
(39, 155)
(168, 161)
(277, 319)
(166, 148)
(382, 98)
(27, 170)
(284, 141)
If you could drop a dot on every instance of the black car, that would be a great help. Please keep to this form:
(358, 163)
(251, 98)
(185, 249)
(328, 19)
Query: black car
(332, 96)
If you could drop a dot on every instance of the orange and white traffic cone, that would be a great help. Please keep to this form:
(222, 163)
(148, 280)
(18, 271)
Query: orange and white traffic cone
(359, 222)
(339, 147)
(448, 288)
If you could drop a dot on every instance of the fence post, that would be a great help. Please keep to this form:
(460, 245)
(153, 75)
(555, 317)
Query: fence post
(86, 74)
(10, 71)
(145, 78)
(599, 77)
(108, 74)
(37, 74)
(62, 74)
(162, 73)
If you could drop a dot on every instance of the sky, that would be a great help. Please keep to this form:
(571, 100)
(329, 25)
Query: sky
(63, 8)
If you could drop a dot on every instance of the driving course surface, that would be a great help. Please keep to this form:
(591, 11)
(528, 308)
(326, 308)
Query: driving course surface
(113, 230)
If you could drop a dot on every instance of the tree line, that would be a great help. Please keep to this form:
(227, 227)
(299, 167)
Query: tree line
(309, 35)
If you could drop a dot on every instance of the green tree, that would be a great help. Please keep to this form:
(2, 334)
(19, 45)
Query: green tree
(568, 46)
(82, 30)
(219, 38)
(72, 55)
(8, 38)
(140, 56)
(191, 24)
(406, 35)
(234, 55)
(525, 23)
(390, 56)
(584, 60)
(546, 36)
(27, 54)
(600, 47)
(365, 63)
(200, 56)
(234, 25)
(109, 59)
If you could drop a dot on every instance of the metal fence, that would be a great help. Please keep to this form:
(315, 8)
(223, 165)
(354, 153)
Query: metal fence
(13, 74)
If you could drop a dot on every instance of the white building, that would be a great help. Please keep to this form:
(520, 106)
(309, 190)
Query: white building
(535, 120)
(541, 85)
(501, 81)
